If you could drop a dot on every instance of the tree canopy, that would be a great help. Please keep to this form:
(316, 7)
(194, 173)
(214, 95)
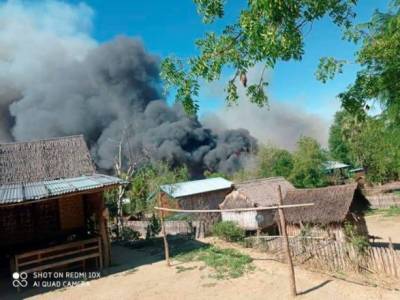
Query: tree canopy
(308, 162)
(264, 32)
(379, 57)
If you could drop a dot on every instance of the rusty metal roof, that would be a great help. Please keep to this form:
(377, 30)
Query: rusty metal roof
(21, 192)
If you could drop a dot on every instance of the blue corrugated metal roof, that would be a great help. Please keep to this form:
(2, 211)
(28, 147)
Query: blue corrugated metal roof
(16, 193)
(332, 165)
(196, 187)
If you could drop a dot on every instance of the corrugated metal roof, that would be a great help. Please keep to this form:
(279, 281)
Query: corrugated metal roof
(16, 193)
(332, 165)
(188, 188)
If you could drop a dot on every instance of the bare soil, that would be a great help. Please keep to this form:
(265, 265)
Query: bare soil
(148, 277)
(384, 227)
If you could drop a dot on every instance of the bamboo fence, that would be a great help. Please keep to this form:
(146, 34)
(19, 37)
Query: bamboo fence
(332, 255)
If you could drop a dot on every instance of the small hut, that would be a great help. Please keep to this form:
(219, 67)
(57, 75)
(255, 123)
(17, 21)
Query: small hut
(333, 207)
(198, 194)
(52, 211)
(254, 193)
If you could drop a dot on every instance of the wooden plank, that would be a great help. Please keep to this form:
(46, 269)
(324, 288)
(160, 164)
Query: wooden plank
(60, 263)
(55, 248)
(43, 259)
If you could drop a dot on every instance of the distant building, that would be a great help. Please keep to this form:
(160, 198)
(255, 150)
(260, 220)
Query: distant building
(336, 171)
(254, 193)
(198, 194)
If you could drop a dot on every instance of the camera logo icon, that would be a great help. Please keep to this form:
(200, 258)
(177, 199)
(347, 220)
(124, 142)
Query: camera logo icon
(20, 279)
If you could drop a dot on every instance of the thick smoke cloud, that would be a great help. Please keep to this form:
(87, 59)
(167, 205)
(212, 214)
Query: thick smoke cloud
(279, 124)
(57, 81)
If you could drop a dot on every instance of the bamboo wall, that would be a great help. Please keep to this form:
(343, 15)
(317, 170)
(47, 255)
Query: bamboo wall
(29, 222)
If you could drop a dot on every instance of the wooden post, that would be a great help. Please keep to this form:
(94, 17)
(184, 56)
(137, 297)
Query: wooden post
(287, 248)
(101, 217)
(166, 248)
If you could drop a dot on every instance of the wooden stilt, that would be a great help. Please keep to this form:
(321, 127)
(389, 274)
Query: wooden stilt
(287, 248)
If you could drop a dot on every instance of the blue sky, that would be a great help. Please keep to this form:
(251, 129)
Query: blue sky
(171, 27)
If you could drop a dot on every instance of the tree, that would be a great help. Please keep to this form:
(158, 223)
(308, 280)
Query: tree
(272, 161)
(146, 183)
(377, 148)
(265, 32)
(307, 164)
(379, 58)
(339, 148)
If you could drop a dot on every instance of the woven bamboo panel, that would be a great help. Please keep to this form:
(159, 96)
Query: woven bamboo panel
(71, 212)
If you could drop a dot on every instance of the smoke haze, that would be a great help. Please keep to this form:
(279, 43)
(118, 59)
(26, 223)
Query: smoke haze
(56, 80)
(280, 124)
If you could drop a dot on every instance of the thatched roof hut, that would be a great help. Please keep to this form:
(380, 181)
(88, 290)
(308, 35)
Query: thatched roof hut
(254, 193)
(50, 159)
(333, 206)
(51, 196)
(258, 192)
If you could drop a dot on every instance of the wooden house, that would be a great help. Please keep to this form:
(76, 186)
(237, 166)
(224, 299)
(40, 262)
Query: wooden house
(52, 212)
(254, 193)
(198, 194)
(333, 207)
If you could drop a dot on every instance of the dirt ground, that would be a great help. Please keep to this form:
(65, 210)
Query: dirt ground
(141, 273)
(155, 280)
(384, 227)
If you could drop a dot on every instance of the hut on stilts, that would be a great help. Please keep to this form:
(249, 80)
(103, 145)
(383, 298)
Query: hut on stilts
(52, 211)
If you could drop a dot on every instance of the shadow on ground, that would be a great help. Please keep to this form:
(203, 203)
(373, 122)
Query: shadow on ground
(396, 246)
(126, 258)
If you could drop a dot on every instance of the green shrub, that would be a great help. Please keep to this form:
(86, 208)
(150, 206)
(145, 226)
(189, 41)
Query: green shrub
(128, 234)
(229, 231)
(154, 228)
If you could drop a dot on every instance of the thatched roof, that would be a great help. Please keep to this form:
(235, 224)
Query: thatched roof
(41, 160)
(331, 204)
(259, 192)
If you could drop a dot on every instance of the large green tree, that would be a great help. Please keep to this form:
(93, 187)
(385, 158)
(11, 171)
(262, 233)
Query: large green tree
(146, 183)
(272, 161)
(265, 31)
(308, 162)
(339, 147)
(379, 57)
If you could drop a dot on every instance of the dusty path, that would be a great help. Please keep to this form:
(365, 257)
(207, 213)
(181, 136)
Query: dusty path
(384, 227)
(268, 281)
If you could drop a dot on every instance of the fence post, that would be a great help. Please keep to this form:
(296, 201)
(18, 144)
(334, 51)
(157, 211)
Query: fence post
(166, 247)
(393, 254)
(287, 248)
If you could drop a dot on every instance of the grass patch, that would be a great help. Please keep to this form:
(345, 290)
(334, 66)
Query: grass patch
(392, 211)
(386, 212)
(227, 263)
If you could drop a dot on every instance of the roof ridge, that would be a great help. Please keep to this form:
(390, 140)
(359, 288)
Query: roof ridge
(262, 179)
(325, 187)
(42, 140)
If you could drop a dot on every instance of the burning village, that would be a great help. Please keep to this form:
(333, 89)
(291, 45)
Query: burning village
(200, 149)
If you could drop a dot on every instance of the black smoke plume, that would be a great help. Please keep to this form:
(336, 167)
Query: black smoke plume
(113, 95)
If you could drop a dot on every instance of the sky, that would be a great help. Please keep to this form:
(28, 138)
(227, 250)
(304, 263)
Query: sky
(299, 104)
(171, 27)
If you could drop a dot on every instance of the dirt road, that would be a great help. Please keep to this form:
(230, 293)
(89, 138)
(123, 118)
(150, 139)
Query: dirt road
(157, 281)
